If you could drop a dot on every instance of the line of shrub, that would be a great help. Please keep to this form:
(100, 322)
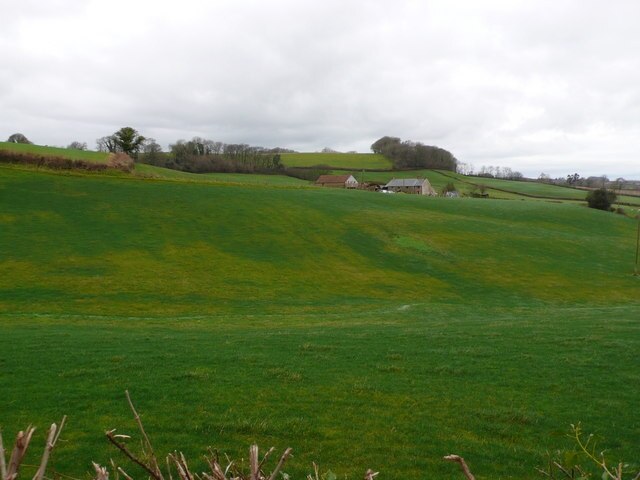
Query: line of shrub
(310, 174)
(60, 163)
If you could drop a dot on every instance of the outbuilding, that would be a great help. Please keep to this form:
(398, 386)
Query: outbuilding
(417, 186)
(337, 181)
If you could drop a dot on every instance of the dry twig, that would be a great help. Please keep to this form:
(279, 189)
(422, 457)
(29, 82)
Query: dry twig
(370, 474)
(19, 450)
(285, 456)
(3, 465)
(154, 461)
(52, 439)
(123, 448)
(463, 465)
(101, 472)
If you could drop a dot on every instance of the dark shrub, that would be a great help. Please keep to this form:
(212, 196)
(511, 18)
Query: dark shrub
(309, 174)
(601, 198)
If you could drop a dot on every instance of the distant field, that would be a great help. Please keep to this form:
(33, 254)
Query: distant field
(341, 160)
(55, 152)
(363, 330)
(529, 188)
(236, 178)
(438, 180)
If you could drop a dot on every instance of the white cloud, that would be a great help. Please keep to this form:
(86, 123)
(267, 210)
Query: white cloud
(538, 86)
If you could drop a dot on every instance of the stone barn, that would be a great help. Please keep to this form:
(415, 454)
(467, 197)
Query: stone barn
(416, 186)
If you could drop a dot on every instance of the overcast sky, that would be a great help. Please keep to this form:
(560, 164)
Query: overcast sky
(539, 86)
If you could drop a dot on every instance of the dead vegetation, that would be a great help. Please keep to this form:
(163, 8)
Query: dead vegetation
(121, 161)
(118, 161)
(176, 464)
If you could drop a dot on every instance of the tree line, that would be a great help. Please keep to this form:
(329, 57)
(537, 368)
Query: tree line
(409, 154)
(198, 155)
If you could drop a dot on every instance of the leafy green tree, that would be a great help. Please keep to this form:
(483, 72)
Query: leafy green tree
(129, 141)
(601, 198)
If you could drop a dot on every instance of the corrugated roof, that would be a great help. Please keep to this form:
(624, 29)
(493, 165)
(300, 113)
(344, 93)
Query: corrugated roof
(405, 182)
(333, 178)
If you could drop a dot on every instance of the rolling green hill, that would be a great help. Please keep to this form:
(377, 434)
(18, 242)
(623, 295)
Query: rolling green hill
(152, 172)
(337, 160)
(363, 330)
(86, 155)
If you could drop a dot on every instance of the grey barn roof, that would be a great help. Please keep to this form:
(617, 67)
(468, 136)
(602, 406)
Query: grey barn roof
(405, 182)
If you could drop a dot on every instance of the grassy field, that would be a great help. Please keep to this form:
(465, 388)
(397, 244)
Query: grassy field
(437, 179)
(534, 188)
(339, 160)
(362, 330)
(89, 156)
(149, 171)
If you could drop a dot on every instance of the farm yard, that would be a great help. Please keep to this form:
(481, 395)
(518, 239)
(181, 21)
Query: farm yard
(362, 330)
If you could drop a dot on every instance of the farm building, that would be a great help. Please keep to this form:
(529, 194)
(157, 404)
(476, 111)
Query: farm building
(418, 186)
(337, 181)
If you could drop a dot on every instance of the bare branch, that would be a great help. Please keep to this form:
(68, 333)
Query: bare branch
(370, 474)
(463, 465)
(563, 470)
(52, 439)
(285, 456)
(101, 472)
(124, 474)
(264, 459)
(253, 462)
(216, 470)
(152, 455)
(130, 455)
(3, 464)
(169, 467)
(19, 450)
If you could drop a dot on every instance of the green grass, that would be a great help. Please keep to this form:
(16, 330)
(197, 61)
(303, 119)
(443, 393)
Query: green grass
(529, 188)
(437, 179)
(363, 330)
(150, 171)
(543, 190)
(88, 156)
(339, 160)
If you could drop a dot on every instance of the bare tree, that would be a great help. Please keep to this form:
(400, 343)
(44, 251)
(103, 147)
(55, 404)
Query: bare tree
(77, 146)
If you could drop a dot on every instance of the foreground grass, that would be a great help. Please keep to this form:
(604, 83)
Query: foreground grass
(360, 329)
(391, 390)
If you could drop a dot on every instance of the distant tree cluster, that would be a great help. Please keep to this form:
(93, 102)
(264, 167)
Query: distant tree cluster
(77, 146)
(505, 173)
(200, 155)
(18, 138)
(601, 181)
(408, 154)
(126, 140)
